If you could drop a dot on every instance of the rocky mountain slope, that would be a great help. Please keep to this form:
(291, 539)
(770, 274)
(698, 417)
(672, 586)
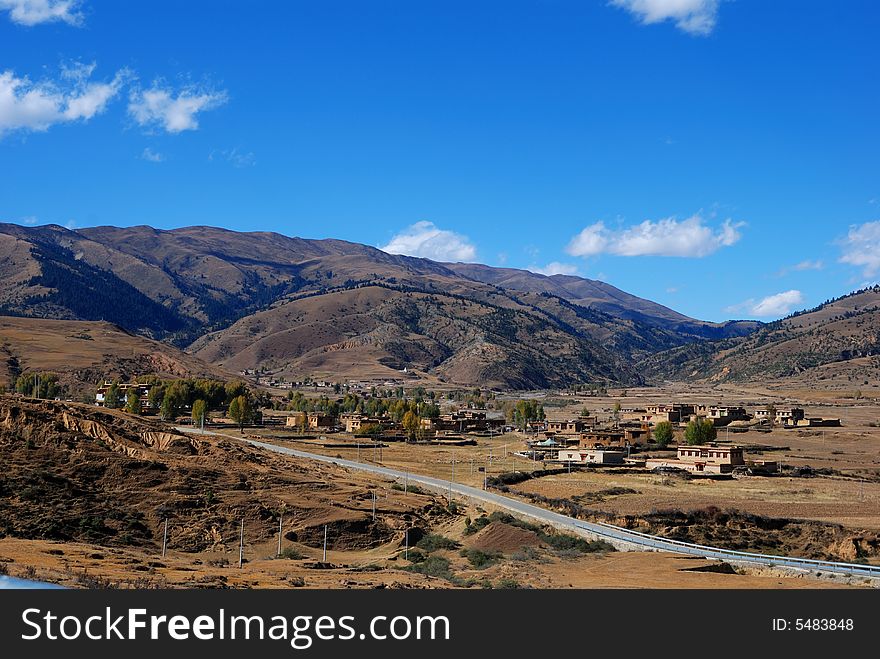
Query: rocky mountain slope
(837, 341)
(328, 307)
(76, 473)
(83, 353)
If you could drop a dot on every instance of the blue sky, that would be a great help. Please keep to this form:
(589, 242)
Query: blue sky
(717, 157)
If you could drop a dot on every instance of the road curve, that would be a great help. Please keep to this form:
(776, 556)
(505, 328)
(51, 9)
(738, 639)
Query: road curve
(620, 537)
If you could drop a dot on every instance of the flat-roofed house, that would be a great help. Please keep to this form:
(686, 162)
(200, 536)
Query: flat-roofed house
(318, 420)
(591, 456)
(597, 438)
(703, 459)
(784, 415)
(721, 415)
(567, 427)
(143, 391)
(674, 413)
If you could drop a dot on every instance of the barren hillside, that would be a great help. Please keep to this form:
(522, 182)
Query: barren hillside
(839, 341)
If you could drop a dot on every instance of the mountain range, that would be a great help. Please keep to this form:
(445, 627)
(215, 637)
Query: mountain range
(338, 310)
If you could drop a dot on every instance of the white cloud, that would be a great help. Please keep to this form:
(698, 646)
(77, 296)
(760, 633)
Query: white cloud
(152, 156)
(30, 220)
(780, 304)
(861, 247)
(426, 240)
(234, 156)
(555, 268)
(808, 265)
(33, 12)
(25, 105)
(174, 112)
(803, 266)
(691, 16)
(667, 237)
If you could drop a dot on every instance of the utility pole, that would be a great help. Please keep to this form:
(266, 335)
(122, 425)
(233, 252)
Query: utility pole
(280, 519)
(405, 481)
(241, 545)
(165, 539)
(324, 559)
(406, 544)
(359, 450)
(374, 505)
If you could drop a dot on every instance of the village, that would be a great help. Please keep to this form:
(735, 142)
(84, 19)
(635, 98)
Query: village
(637, 437)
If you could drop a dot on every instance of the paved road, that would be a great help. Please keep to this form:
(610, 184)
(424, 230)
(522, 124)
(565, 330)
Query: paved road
(621, 538)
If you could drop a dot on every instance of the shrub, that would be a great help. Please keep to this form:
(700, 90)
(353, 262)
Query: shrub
(415, 556)
(700, 431)
(525, 555)
(508, 584)
(435, 542)
(509, 478)
(480, 559)
(411, 489)
(663, 434)
(434, 566)
(291, 553)
(573, 545)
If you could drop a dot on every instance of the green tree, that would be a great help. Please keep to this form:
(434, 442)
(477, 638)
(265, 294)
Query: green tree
(525, 411)
(112, 397)
(700, 431)
(156, 396)
(199, 412)
(133, 401)
(240, 411)
(175, 397)
(663, 434)
(771, 413)
(234, 389)
(38, 385)
(411, 423)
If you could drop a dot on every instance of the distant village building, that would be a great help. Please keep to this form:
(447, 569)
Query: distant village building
(602, 438)
(572, 426)
(354, 422)
(674, 413)
(622, 438)
(703, 459)
(591, 456)
(784, 415)
(722, 415)
(462, 421)
(143, 391)
(319, 420)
